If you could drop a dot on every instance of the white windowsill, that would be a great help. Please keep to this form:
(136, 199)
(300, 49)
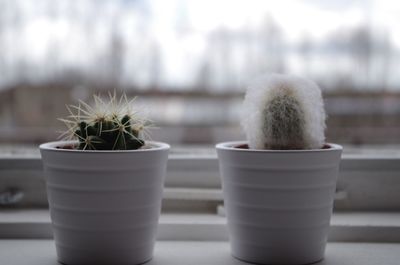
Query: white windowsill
(42, 252)
(356, 238)
(381, 227)
(367, 183)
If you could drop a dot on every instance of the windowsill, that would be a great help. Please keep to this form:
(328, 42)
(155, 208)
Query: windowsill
(42, 252)
(383, 227)
(356, 238)
(367, 237)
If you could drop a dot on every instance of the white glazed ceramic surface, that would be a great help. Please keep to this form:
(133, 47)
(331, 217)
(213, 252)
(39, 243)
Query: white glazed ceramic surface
(278, 202)
(104, 205)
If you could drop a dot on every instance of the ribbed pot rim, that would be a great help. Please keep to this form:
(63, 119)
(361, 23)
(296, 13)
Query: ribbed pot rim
(52, 146)
(232, 146)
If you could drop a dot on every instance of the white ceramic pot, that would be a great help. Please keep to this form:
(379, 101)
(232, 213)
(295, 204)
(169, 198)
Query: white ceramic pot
(104, 205)
(278, 202)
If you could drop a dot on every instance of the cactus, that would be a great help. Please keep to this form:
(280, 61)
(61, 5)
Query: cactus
(108, 125)
(284, 112)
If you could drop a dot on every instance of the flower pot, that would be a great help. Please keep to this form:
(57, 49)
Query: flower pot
(278, 202)
(104, 205)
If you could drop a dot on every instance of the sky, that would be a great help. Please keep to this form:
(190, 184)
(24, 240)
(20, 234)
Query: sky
(75, 34)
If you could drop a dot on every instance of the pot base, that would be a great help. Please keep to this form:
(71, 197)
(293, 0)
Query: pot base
(277, 263)
(74, 257)
(255, 255)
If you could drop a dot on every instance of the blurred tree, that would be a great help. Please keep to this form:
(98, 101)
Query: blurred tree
(360, 48)
(273, 46)
(155, 66)
(306, 50)
(204, 75)
(116, 57)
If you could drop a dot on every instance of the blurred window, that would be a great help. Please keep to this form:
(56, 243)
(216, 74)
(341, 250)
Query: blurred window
(189, 61)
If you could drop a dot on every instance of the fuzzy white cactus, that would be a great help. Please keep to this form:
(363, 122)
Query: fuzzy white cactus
(284, 112)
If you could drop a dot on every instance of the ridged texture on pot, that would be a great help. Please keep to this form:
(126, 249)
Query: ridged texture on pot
(105, 205)
(278, 203)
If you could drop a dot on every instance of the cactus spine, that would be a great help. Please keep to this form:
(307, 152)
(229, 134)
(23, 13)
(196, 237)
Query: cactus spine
(284, 112)
(111, 125)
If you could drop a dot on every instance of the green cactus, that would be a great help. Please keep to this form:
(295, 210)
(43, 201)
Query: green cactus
(106, 125)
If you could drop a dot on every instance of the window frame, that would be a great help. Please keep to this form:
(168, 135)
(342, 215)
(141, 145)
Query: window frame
(365, 183)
